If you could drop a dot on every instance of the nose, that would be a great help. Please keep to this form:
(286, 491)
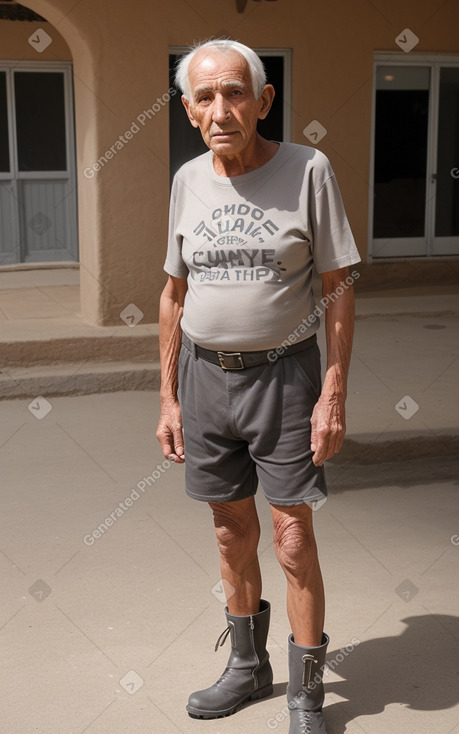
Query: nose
(220, 111)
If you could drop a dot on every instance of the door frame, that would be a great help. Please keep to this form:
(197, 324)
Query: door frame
(434, 61)
(286, 54)
(14, 175)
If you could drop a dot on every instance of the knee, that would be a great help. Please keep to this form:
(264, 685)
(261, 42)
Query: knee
(295, 545)
(237, 532)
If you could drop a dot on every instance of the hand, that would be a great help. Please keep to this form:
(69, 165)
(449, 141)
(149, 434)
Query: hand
(170, 432)
(328, 426)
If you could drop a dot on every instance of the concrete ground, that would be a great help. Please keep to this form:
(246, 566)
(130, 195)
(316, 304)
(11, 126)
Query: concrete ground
(108, 630)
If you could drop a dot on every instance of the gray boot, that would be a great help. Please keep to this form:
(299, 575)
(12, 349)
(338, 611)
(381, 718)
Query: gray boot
(305, 690)
(248, 674)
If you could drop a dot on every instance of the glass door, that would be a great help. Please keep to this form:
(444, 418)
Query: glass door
(415, 207)
(447, 165)
(400, 161)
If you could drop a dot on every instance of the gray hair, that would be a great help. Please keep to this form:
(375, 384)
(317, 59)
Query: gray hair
(256, 68)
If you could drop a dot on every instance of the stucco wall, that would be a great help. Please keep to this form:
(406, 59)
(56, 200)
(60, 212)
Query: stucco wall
(15, 44)
(120, 56)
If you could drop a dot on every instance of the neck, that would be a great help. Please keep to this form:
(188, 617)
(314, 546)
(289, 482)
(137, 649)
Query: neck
(256, 154)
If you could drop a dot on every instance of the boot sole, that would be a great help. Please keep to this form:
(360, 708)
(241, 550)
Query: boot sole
(255, 696)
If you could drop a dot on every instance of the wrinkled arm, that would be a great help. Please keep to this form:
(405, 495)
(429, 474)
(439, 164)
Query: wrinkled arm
(328, 422)
(169, 432)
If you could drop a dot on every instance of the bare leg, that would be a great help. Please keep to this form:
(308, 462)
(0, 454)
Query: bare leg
(248, 674)
(296, 551)
(237, 529)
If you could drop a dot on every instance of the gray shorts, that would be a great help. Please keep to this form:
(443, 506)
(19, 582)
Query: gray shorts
(247, 426)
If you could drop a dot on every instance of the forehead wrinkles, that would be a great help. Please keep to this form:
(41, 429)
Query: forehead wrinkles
(214, 68)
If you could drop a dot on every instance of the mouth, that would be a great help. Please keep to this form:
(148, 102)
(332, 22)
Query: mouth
(221, 135)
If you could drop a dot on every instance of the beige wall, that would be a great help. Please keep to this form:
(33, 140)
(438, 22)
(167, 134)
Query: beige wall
(15, 46)
(120, 56)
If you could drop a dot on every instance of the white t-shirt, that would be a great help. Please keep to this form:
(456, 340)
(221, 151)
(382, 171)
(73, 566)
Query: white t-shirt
(247, 245)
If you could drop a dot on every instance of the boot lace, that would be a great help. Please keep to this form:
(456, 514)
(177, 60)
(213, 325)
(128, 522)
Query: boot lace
(304, 720)
(222, 638)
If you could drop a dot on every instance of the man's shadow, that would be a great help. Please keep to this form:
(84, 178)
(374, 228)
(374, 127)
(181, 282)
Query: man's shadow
(418, 669)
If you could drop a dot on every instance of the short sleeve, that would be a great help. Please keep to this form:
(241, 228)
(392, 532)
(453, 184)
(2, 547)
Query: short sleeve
(174, 264)
(333, 245)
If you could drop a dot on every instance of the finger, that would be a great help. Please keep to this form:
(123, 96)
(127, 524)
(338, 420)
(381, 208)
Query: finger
(334, 445)
(167, 443)
(336, 436)
(320, 450)
(179, 445)
(166, 447)
(318, 458)
(313, 440)
(314, 436)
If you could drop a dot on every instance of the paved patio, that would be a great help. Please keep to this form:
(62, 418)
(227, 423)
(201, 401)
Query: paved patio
(106, 627)
(108, 631)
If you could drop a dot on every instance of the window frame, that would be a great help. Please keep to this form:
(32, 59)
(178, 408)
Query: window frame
(15, 178)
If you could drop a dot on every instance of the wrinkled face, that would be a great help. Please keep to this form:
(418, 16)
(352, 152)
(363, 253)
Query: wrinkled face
(223, 103)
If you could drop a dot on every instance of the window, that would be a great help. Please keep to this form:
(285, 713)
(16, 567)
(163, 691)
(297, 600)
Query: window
(37, 163)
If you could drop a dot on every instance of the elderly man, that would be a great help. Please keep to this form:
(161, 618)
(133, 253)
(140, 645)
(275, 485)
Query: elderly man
(241, 394)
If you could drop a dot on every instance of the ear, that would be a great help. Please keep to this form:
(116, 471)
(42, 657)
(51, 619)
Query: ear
(187, 105)
(265, 100)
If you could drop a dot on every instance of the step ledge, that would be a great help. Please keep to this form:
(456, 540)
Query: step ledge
(72, 380)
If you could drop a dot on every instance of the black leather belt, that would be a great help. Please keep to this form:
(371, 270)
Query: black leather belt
(243, 360)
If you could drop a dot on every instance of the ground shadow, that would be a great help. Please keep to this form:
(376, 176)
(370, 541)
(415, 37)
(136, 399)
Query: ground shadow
(279, 691)
(401, 473)
(418, 669)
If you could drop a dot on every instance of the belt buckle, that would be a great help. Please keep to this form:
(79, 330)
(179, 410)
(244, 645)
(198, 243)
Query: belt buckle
(230, 360)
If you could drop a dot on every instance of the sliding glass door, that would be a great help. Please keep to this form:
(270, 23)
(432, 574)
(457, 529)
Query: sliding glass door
(415, 171)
